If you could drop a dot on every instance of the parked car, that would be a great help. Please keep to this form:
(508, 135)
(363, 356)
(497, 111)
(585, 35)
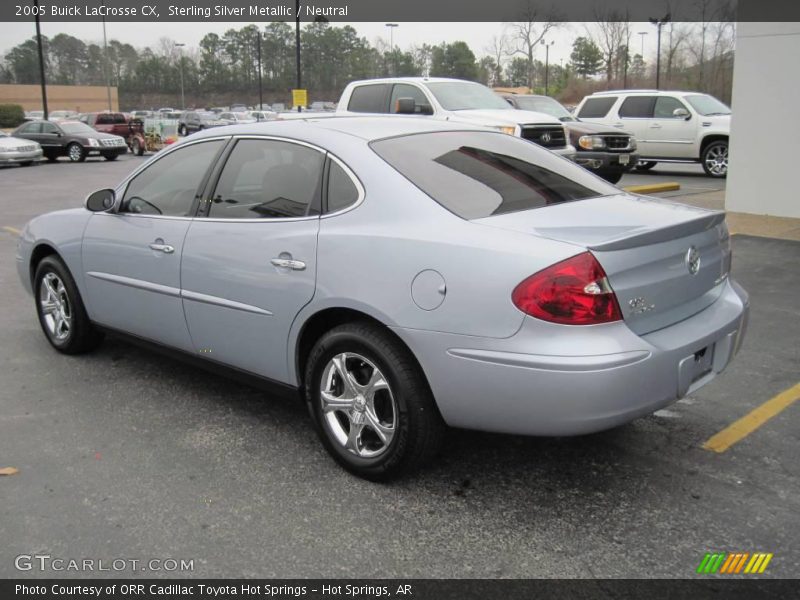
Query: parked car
(669, 126)
(236, 118)
(278, 107)
(167, 110)
(72, 139)
(18, 151)
(107, 122)
(263, 115)
(32, 115)
(196, 120)
(237, 108)
(62, 115)
(141, 114)
(456, 101)
(606, 151)
(402, 273)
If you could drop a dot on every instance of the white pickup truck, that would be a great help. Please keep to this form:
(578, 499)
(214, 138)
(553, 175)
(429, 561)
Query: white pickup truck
(457, 101)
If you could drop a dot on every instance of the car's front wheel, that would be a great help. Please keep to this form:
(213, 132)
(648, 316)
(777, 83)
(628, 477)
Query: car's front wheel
(645, 165)
(611, 177)
(76, 153)
(371, 405)
(60, 308)
(183, 131)
(715, 159)
(111, 156)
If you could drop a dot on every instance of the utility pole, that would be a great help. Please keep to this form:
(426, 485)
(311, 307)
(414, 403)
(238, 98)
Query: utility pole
(41, 59)
(297, 48)
(659, 23)
(105, 61)
(183, 97)
(391, 27)
(642, 34)
(260, 88)
(546, 63)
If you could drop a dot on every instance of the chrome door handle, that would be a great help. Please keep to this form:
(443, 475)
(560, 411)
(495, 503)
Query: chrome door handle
(165, 248)
(288, 263)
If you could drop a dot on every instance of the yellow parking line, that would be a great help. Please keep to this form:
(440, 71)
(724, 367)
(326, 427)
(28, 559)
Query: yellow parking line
(13, 230)
(653, 188)
(752, 421)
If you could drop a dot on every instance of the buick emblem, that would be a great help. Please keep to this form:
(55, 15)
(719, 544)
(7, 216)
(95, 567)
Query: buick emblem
(693, 260)
(545, 137)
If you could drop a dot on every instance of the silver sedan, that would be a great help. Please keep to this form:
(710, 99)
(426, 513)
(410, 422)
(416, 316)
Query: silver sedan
(402, 275)
(18, 151)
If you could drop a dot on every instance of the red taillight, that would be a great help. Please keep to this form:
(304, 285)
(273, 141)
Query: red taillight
(572, 292)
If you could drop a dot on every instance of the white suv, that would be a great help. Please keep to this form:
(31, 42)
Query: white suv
(457, 101)
(669, 126)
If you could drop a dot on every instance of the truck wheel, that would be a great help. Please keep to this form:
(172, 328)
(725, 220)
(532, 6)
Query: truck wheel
(715, 159)
(645, 165)
(611, 177)
(182, 130)
(111, 156)
(372, 407)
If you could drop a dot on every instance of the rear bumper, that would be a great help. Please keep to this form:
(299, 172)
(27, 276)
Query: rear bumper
(559, 380)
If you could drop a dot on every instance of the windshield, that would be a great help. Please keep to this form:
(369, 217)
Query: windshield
(708, 105)
(207, 115)
(545, 105)
(77, 128)
(458, 95)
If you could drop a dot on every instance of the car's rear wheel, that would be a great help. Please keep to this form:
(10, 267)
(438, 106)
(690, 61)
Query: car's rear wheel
(715, 159)
(371, 405)
(51, 157)
(111, 156)
(76, 153)
(645, 165)
(60, 308)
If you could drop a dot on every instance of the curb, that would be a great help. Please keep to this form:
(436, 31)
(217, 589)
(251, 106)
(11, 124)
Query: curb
(653, 188)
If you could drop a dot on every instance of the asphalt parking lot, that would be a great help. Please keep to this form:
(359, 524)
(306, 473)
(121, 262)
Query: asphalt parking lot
(126, 454)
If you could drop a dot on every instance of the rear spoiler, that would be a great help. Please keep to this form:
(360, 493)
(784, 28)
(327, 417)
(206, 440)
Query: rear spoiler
(662, 234)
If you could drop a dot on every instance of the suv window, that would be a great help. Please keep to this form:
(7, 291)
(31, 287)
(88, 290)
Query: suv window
(596, 108)
(404, 90)
(119, 119)
(477, 174)
(104, 119)
(637, 107)
(169, 185)
(266, 179)
(369, 98)
(665, 105)
(342, 192)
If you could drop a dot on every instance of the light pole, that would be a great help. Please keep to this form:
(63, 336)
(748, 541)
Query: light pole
(546, 63)
(41, 59)
(105, 62)
(642, 34)
(391, 27)
(659, 23)
(260, 88)
(297, 48)
(183, 98)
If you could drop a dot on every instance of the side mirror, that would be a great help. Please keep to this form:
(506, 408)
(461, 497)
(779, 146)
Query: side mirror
(681, 113)
(100, 201)
(405, 106)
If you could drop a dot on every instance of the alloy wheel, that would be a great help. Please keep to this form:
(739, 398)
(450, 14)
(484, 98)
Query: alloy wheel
(56, 309)
(716, 160)
(358, 406)
(75, 153)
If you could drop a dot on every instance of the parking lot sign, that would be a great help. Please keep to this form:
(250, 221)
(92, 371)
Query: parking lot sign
(300, 98)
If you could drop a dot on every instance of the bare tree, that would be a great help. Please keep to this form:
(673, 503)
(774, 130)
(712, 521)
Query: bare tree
(527, 34)
(499, 49)
(613, 38)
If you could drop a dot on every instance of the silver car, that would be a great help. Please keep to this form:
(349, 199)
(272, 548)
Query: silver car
(14, 150)
(403, 274)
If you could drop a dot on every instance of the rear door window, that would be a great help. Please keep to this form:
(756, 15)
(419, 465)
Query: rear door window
(342, 192)
(637, 107)
(477, 174)
(596, 108)
(369, 98)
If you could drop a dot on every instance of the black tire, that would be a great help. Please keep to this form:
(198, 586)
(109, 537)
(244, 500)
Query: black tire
(76, 152)
(82, 335)
(137, 148)
(51, 157)
(27, 163)
(111, 156)
(715, 159)
(183, 131)
(418, 427)
(645, 165)
(611, 177)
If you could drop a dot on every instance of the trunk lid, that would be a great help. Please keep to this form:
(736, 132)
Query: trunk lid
(665, 261)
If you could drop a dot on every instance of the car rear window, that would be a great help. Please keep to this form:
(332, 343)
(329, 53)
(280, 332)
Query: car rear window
(596, 108)
(480, 174)
(637, 107)
(369, 98)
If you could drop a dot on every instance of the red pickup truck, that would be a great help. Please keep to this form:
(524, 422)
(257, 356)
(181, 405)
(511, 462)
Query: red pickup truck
(107, 122)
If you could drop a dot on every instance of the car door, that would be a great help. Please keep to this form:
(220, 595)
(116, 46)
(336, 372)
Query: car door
(635, 114)
(249, 262)
(669, 135)
(31, 131)
(131, 257)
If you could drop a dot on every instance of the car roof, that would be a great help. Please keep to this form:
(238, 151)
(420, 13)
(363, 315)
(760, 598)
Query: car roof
(648, 92)
(414, 80)
(367, 128)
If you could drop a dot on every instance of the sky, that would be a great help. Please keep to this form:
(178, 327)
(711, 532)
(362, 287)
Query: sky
(477, 35)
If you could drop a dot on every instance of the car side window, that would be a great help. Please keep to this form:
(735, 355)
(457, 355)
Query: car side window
(404, 90)
(665, 106)
(637, 107)
(268, 179)
(342, 192)
(369, 98)
(596, 108)
(169, 185)
(31, 128)
(48, 128)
